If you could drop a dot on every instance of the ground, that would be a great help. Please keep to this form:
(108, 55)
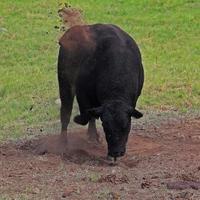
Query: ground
(162, 162)
(163, 154)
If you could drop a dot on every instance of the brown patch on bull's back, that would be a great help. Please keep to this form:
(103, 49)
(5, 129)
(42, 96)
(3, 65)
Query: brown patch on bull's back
(77, 37)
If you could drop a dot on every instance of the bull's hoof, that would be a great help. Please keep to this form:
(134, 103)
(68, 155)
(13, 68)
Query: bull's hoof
(56, 144)
(80, 119)
(93, 137)
(94, 140)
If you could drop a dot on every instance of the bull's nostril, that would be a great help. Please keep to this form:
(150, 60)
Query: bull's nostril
(117, 154)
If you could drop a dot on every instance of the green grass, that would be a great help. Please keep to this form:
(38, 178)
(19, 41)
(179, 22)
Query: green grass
(168, 33)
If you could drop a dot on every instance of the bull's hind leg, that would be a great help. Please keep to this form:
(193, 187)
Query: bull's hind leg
(92, 131)
(67, 98)
(58, 144)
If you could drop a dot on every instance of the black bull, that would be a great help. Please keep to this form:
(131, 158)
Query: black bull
(100, 64)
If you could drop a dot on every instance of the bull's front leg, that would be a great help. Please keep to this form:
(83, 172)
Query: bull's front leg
(92, 133)
(84, 117)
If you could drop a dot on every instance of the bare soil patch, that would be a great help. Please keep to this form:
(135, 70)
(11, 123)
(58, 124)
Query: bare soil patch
(162, 162)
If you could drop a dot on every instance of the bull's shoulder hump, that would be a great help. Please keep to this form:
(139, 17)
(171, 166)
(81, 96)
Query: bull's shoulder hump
(110, 33)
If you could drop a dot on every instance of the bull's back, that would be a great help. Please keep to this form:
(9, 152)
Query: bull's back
(119, 71)
(104, 58)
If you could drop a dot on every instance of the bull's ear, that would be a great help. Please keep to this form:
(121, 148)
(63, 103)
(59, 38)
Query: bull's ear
(95, 112)
(81, 119)
(134, 113)
(137, 114)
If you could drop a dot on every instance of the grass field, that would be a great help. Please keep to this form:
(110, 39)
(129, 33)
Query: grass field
(168, 33)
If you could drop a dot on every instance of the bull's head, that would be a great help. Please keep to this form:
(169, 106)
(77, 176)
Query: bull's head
(116, 122)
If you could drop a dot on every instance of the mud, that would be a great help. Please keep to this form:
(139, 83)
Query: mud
(161, 163)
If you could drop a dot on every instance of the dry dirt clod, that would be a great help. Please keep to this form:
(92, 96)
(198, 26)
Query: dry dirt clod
(145, 184)
(71, 16)
(112, 178)
(56, 27)
(69, 191)
(183, 185)
(114, 196)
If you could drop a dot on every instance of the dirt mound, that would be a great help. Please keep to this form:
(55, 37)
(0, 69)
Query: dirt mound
(79, 149)
(161, 163)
